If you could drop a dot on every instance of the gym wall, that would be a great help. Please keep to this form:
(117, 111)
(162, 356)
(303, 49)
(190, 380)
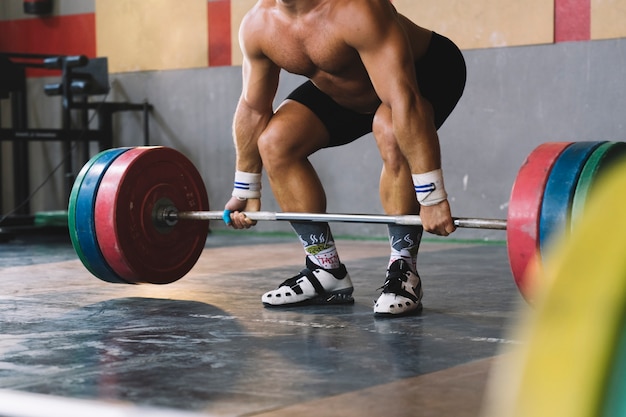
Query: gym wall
(540, 70)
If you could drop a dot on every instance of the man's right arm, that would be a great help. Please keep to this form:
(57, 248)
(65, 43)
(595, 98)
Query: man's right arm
(254, 109)
(253, 113)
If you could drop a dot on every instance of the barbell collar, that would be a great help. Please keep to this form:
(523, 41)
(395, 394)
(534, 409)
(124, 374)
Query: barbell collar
(171, 215)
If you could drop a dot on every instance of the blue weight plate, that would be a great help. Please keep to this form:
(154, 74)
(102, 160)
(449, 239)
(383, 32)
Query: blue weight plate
(85, 211)
(559, 192)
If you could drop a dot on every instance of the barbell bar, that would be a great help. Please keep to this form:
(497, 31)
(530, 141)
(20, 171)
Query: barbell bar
(141, 215)
(169, 215)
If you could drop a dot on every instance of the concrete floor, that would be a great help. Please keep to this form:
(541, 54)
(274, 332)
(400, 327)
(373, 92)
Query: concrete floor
(205, 344)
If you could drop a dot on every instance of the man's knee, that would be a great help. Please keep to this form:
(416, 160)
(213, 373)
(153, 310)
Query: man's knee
(285, 143)
(394, 161)
(271, 148)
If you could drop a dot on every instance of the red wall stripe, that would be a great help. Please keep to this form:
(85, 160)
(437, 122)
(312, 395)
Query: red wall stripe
(572, 20)
(220, 41)
(62, 35)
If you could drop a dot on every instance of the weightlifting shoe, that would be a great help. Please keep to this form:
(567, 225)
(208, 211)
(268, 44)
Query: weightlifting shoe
(402, 292)
(312, 286)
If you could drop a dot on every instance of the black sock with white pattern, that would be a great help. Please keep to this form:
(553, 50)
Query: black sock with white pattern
(405, 243)
(318, 243)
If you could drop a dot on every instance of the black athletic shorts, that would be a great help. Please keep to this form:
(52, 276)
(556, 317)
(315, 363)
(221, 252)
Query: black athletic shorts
(441, 75)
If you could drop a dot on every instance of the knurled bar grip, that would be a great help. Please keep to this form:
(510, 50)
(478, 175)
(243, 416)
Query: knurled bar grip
(173, 215)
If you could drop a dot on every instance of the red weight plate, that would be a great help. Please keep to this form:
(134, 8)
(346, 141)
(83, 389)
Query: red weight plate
(524, 212)
(135, 247)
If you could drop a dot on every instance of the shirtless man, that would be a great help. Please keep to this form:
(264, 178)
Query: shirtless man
(370, 70)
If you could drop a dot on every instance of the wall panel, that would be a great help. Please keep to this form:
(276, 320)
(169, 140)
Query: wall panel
(220, 49)
(608, 19)
(152, 35)
(572, 20)
(485, 23)
(239, 9)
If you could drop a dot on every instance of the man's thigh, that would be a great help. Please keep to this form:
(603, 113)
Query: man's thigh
(296, 130)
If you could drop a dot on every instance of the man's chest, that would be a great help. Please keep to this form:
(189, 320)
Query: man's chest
(309, 52)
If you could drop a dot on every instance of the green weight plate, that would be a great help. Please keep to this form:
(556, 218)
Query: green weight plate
(614, 403)
(600, 160)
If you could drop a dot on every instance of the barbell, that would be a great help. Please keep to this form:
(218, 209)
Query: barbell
(140, 215)
(170, 215)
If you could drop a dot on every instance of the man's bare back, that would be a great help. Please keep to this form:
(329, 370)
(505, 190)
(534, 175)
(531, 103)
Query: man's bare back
(312, 38)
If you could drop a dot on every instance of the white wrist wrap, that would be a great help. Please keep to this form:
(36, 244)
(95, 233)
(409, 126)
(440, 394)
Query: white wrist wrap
(429, 188)
(247, 185)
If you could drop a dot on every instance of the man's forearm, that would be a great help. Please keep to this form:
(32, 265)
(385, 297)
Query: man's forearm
(417, 138)
(247, 128)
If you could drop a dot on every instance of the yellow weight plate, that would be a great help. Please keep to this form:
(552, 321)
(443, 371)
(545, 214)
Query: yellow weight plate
(573, 333)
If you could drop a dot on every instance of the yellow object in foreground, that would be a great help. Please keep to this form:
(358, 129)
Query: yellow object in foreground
(570, 340)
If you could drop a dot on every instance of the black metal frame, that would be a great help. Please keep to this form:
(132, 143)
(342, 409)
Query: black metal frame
(13, 85)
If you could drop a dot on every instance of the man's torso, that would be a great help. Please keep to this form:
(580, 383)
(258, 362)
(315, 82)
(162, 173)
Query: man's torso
(313, 45)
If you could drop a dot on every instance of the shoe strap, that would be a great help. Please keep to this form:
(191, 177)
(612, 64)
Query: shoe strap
(306, 272)
(314, 281)
(393, 285)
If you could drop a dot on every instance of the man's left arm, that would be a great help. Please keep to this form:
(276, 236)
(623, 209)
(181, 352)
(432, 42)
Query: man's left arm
(386, 53)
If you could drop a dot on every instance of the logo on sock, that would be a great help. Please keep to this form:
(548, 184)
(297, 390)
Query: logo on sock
(321, 252)
(319, 247)
(327, 260)
(405, 239)
(316, 240)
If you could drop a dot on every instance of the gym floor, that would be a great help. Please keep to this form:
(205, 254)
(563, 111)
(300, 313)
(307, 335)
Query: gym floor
(207, 346)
